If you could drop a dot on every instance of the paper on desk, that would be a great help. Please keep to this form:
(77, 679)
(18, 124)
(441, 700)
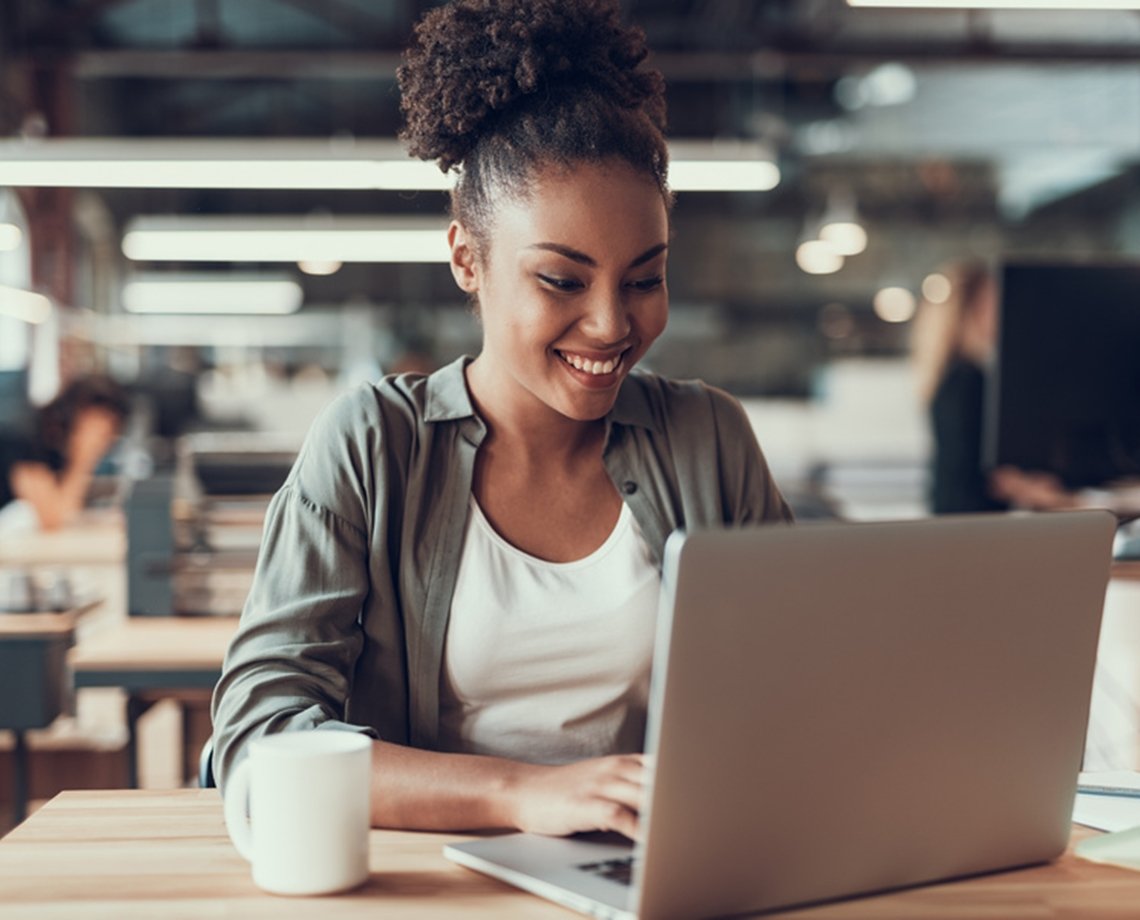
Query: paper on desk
(1119, 814)
(1119, 849)
(1124, 780)
(1107, 812)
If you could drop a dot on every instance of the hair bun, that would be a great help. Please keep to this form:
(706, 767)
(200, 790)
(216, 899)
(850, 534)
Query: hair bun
(471, 60)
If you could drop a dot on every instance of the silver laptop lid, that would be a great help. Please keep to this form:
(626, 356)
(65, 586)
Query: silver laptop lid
(856, 707)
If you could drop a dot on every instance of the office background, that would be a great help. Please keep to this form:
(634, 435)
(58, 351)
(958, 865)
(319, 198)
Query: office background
(941, 133)
(831, 160)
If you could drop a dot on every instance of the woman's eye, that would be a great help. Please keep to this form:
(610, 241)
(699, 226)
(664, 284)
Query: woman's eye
(647, 284)
(560, 284)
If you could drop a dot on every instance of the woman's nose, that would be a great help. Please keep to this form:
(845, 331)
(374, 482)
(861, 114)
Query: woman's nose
(607, 317)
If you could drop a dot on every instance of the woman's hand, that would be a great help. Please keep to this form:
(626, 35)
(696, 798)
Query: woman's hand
(603, 794)
(1038, 491)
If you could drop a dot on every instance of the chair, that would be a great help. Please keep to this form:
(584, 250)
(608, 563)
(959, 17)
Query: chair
(206, 765)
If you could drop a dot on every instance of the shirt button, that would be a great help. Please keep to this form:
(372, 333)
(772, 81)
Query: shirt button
(629, 487)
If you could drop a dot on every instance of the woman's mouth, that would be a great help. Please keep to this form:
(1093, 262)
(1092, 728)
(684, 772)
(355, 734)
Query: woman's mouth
(592, 366)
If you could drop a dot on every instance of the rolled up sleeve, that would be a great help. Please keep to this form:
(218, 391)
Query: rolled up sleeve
(290, 664)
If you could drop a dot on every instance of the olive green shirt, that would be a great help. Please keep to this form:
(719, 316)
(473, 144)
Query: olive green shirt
(345, 622)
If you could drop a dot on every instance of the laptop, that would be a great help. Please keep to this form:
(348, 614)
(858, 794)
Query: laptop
(840, 709)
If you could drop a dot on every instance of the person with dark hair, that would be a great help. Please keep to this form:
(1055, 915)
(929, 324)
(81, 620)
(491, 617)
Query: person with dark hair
(50, 468)
(466, 565)
(954, 343)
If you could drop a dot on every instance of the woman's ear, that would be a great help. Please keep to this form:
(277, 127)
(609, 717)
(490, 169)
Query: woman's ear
(464, 268)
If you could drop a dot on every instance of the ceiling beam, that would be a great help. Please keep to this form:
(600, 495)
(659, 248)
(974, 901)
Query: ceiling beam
(351, 20)
(679, 67)
(55, 28)
(328, 64)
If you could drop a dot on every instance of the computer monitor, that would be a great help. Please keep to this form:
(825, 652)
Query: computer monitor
(1066, 398)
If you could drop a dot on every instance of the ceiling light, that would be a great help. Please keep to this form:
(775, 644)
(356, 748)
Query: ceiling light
(315, 267)
(817, 257)
(888, 84)
(723, 176)
(246, 174)
(722, 165)
(24, 305)
(894, 305)
(282, 239)
(840, 225)
(211, 293)
(10, 237)
(847, 238)
(936, 288)
(203, 163)
(1082, 5)
(257, 163)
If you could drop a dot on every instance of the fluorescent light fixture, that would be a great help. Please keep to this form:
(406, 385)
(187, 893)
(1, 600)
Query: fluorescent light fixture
(199, 163)
(10, 237)
(286, 239)
(250, 174)
(723, 176)
(211, 293)
(1081, 5)
(260, 163)
(722, 166)
(24, 305)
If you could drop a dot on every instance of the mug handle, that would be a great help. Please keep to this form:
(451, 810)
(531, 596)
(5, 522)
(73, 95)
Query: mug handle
(236, 806)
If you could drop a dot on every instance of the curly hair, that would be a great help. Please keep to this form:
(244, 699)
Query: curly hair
(498, 88)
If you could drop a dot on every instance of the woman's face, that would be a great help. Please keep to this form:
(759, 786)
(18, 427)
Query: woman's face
(980, 322)
(571, 289)
(93, 433)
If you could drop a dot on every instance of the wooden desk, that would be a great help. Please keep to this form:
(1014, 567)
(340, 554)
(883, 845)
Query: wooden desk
(135, 854)
(37, 625)
(154, 653)
(96, 538)
(90, 553)
(152, 658)
(1129, 570)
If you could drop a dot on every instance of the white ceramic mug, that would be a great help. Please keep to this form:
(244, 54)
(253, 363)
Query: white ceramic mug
(308, 810)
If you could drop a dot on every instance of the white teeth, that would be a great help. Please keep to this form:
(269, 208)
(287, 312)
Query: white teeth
(591, 367)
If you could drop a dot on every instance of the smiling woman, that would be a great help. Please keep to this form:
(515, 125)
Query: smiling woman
(466, 565)
(574, 281)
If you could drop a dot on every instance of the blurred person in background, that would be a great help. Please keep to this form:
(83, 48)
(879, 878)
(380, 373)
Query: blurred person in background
(45, 472)
(1040, 491)
(953, 345)
(1034, 490)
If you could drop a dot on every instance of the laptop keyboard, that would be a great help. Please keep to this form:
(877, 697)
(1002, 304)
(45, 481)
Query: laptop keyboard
(616, 870)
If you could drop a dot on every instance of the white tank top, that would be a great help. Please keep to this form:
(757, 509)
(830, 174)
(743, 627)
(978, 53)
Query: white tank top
(548, 662)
